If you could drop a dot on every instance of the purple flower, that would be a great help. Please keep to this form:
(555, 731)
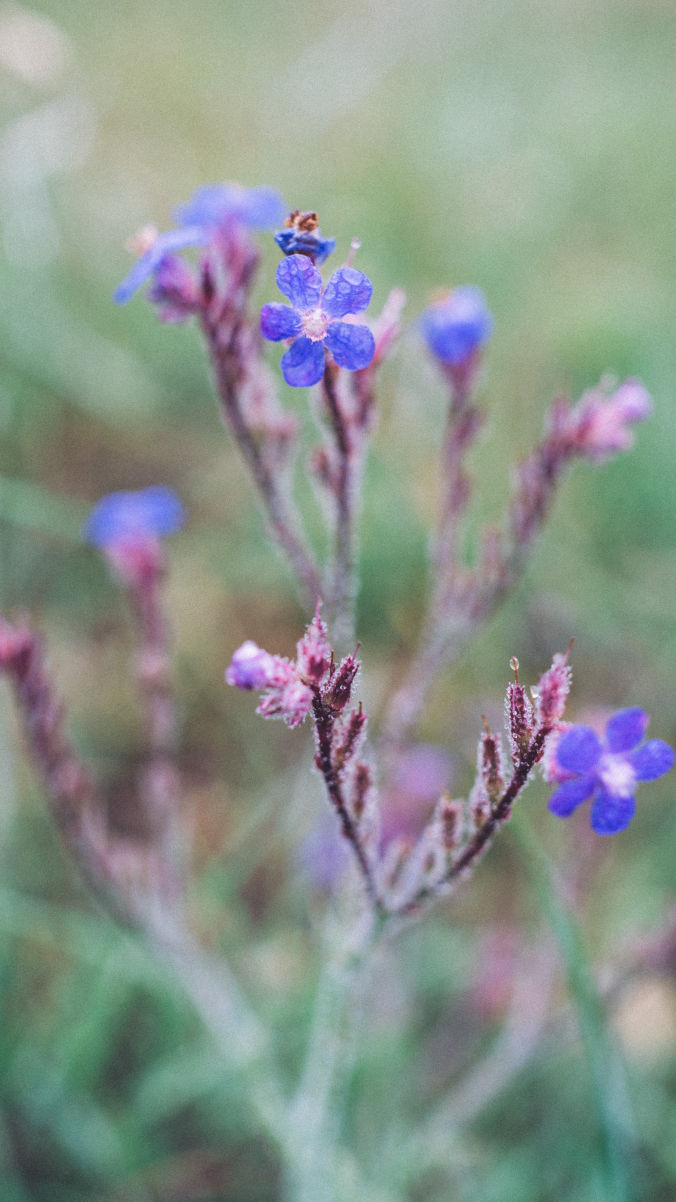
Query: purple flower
(158, 253)
(123, 516)
(608, 769)
(211, 208)
(313, 320)
(217, 205)
(457, 325)
(250, 668)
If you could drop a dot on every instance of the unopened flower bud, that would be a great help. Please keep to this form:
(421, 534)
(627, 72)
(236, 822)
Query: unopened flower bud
(351, 738)
(251, 667)
(489, 765)
(338, 695)
(552, 691)
(314, 651)
(452, 821)
(363, 780)
(519, 717)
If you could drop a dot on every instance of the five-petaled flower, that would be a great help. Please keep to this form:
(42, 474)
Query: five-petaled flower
(211, 208)
(457, 325)
(314, 320)
(607, 769)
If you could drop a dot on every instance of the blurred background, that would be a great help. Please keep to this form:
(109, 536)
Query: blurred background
(524, 148)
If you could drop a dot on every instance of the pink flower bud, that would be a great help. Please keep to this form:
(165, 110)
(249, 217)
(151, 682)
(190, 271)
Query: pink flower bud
(552, 691)
(314, 651)
(599, 423)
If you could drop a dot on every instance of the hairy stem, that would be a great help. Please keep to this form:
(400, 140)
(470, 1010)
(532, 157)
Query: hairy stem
(342, 585)
(227, 364)
(324, 726)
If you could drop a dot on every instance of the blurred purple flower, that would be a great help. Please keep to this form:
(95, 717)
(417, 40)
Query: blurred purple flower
(148, 513)
(159, 252)
(217, 205)
(313, 320)
(421, 774)
(457, 325)
(607, 770)
(214, 207)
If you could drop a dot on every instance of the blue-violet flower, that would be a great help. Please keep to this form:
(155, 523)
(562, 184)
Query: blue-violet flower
(457, 325)
(214, 207)
(121, 516)
(608, 769)
(313, 320)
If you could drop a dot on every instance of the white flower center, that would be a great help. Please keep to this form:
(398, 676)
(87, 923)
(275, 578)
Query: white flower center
(315, 325)
(617, 775)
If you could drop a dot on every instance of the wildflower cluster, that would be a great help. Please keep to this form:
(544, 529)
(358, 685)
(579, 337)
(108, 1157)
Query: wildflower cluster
(327, 346)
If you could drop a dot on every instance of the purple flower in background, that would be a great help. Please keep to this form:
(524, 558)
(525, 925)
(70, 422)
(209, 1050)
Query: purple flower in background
(131, 516)
(214, 207)
(607, 770)
(160, 250)
(313, 320)
(457, 325)
(217, 205)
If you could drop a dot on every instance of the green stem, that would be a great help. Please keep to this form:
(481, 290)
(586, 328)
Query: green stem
(313, 1138)
(616, 1136)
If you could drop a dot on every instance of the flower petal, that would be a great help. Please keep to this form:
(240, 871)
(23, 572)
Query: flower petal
(570, 795)
(652, 760)
(261, 208)
(218, 204)
(625, 729)
(303, 363)
(578, 749)
(280, 321)
(610, 814)
(352, 346)
(300, 282)
(348, 291)
(147, 265)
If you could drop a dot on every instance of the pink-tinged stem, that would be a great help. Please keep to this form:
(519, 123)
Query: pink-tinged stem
(463, 421)
(499, 813)
(234, 354)
(324, 759)
(72, 796)
(342, 587)
(160, 790)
